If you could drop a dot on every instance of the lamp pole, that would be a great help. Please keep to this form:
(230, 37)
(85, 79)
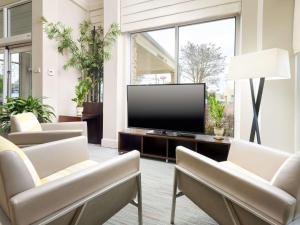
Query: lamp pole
(256, 106)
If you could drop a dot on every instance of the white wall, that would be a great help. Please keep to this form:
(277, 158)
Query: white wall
(147, 14)
(262, 28)
(68, 79)
(278, 103)
(113, 81)
(59, 88)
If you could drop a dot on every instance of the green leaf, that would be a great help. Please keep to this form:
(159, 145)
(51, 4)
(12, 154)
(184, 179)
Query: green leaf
(19, 105)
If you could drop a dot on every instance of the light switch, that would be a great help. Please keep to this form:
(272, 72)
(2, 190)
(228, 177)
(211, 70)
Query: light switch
(37, 70)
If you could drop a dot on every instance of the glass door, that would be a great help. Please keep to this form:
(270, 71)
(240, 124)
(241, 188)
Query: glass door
(19, 72)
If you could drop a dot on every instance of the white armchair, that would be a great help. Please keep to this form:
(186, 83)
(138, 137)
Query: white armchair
(56, 183)
(255, 186)
(26, 130)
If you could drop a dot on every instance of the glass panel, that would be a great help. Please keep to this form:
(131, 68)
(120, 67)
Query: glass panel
(1, 76)
(153, 57)
(21, 74)
(298, 101)
(204, 53)
(20, 19)
(1, 24)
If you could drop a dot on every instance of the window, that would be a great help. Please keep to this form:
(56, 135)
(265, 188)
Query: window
(153, 57)
(1, 76)
(20, 19)
(188, 54)
(16, 78)
(21, 74)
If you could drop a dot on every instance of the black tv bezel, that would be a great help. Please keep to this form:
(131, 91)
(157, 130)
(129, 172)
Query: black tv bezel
(156, 129)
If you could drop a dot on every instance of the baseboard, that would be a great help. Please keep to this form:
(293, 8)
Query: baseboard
(109, 143)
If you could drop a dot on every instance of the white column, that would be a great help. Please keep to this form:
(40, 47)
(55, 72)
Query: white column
(37, 48)
(113, 106)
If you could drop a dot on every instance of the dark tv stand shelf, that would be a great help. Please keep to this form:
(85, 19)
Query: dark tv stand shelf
(164, 146)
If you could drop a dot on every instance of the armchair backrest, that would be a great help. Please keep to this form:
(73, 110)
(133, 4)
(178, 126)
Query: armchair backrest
(25, 122)
(260, 160)
(17, 173)
(281, 169)
(287, 178)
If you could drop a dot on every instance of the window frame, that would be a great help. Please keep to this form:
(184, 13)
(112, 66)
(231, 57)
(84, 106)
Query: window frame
(6, 22)
(177, 27)
(236, 17)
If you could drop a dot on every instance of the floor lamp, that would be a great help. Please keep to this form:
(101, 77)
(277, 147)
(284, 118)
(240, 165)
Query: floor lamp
(268, 64)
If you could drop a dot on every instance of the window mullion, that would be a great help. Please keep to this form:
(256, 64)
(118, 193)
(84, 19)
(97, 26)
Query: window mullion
(177, 53)
(5, 21)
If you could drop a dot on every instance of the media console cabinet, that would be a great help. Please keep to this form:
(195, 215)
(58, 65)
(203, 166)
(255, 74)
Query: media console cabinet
(164, 147)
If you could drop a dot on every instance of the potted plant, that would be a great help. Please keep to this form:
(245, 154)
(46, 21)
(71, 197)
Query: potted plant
(216, 112)
(86, 54)
(13, 106)
(81, 91)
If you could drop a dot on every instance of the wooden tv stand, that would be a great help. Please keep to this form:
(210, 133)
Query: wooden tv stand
(163, 146)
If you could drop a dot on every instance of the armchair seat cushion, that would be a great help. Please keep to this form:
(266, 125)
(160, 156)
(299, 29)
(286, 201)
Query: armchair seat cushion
(69, 170)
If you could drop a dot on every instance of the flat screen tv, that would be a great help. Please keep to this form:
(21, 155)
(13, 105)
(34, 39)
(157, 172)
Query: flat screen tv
(174, 107)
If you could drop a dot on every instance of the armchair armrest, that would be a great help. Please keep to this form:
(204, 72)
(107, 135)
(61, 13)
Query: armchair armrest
(66, 126)
(40, 202)
(51, 157)
(261, 198)
(41, 137)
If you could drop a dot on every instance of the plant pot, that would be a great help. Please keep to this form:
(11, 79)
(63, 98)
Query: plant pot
(219, 132)
(79, 111)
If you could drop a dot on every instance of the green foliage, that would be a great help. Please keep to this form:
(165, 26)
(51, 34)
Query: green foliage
(82, 90)
(88, 53)
(13, 106)
(216, 111)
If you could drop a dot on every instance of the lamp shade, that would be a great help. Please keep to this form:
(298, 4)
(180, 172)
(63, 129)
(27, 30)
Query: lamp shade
(270, 64)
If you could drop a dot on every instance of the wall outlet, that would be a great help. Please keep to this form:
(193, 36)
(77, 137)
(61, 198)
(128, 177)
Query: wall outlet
(51, 72)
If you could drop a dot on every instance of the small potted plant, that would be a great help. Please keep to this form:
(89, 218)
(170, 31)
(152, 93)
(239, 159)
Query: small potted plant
(216, 112)
(81, 90)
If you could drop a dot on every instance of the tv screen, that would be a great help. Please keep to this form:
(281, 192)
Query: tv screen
(174, 107)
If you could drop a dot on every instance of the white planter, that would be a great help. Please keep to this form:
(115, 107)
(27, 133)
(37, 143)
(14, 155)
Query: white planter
(219, 132)
(79, 111)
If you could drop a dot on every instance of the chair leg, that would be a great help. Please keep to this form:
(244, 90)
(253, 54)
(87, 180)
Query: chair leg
(140, 207)
(174, 198)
